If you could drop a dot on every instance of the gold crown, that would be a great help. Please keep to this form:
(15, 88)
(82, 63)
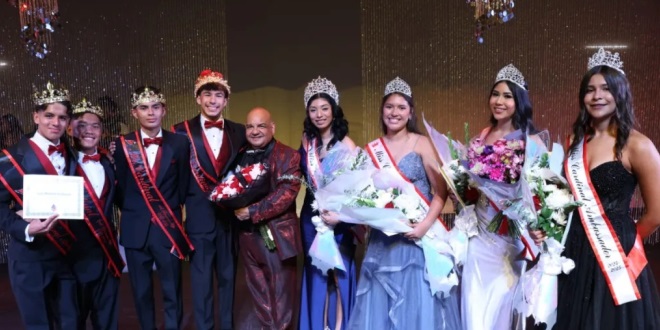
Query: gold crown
(50, 95)
(208, 76)
(147, 96)
(84, 107)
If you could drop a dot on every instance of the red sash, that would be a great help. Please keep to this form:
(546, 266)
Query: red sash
(382, 158)
(205, 181)
(100, 226)
(620, 271)
(161, 213)
(60, 234)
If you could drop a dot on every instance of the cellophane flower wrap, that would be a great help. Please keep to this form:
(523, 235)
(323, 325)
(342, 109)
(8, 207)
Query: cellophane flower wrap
(341, 169)
(387, 202)
(464, 193)
(549, 203)
(242, 187)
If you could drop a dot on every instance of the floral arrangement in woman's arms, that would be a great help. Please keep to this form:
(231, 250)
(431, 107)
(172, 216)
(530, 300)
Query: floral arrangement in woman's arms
(553, 200)
(464, 193)
(500, 162)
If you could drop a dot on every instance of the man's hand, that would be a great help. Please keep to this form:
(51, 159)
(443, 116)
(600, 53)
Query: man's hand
(242, 213)
(36, 227)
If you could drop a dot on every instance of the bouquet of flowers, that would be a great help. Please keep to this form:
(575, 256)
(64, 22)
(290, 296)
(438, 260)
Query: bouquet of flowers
(453, 156)
(501, 162)
(387, 202)
(242, 187)
(551, 206)
(340, 170)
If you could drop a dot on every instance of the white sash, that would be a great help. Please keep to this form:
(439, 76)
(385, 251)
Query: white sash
(382, 158)
(313, 162)
(618, 269)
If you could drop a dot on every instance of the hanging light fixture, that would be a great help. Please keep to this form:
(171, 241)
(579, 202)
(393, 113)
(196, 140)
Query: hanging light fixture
(39, 19)
(488, 13)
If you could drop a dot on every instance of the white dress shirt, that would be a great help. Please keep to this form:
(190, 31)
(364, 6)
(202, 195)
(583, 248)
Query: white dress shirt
(151, 150)
(213, 136)
(57, 159)
(94, 172)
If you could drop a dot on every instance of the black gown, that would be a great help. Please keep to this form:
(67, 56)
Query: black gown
(585, 301)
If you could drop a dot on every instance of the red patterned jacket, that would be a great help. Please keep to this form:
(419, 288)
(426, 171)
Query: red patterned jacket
(278, 208)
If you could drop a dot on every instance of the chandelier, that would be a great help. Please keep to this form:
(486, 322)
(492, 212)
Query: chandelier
(39, 19)
(488, 13)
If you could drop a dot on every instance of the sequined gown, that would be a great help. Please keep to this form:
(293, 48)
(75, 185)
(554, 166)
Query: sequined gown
(315, 286)
(392, 292)
(585, 301)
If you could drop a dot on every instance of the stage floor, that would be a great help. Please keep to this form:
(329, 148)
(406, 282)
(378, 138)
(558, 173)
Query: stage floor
(10, 318)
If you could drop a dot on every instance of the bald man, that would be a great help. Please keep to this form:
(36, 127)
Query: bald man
(270, 273)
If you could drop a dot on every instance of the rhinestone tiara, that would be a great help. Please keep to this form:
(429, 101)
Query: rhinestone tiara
(512, 74)
(84, 107)
(50, 95)
(318, 86)
(606, 58)
(210, 76)
(397, 85)
(147, 96)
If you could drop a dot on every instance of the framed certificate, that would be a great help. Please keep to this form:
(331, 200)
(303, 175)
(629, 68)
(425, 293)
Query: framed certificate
(44, 195)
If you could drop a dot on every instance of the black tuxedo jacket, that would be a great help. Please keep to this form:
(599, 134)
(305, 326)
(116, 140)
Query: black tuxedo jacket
(201, 214)
(172, 181)
(41, 247)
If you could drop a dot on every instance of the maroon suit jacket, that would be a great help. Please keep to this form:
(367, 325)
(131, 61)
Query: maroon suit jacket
(278, 208)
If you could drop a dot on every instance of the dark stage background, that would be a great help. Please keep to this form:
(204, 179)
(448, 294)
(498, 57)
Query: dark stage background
(269, 50)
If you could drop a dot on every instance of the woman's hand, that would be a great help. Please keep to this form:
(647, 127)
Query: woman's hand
(537, 235)
(330, 218)
(419, 230)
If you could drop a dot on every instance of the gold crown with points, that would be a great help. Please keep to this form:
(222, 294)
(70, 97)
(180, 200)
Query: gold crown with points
(147, 96)
(87, 107)
(50, 95)
(209, 76)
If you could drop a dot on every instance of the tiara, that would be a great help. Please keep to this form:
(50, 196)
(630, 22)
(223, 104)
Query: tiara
(398, 86)
(606, 58)
(318, 86)
(512, 74)
(208, 76)
(87, 107)
(50, 95)
(147, 96)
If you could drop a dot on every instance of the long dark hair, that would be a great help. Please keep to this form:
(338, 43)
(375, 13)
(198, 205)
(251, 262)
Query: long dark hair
(522, 117)
(339, 126)
(624, 114)
(411, 125)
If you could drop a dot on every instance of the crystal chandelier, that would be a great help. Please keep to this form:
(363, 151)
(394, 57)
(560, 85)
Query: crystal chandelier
(39, 19)
(488, 13)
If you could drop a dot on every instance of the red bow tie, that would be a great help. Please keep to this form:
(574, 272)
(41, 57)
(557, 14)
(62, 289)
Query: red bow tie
(95, 158)
(150, 141)
(59, 148)
(219, 124)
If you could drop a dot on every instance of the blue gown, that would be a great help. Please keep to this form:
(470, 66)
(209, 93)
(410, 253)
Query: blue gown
(393, 292)
(315, 288)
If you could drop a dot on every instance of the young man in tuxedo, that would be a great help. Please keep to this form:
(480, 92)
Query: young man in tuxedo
(153, 172)
(214, 143)
(95, 258)
(270, 274)
(41, 279)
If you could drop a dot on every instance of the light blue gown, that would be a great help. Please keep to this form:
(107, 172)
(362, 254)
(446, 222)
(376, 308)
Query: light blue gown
(393, 292)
